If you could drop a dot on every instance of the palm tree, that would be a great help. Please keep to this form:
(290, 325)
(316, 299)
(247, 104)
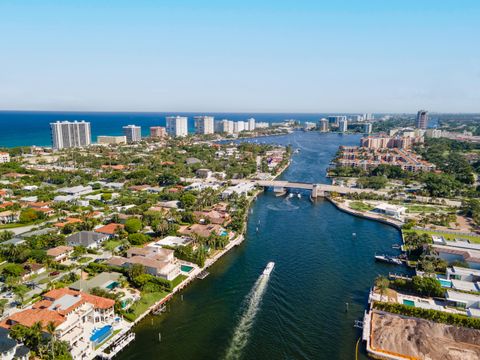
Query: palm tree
(382, 284)
(51, 330)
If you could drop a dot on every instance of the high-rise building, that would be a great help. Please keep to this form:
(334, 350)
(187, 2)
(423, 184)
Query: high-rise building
(133, 133)
(323, 125)
(158, 132)
(109, 140)
(422, 119)
(368, 117)
(357, 118)
(238, 126)
(367, 128)
(177, 126)
(204, 125)
(251, 124)
(336, 119)
(70, 134)
(343, 125)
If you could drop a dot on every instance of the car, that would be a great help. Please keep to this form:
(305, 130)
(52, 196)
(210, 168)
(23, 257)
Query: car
(54, 273)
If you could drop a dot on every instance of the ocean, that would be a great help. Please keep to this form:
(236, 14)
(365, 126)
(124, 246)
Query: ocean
(25, 128)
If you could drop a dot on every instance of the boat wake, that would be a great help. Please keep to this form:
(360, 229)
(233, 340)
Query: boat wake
(242, 331)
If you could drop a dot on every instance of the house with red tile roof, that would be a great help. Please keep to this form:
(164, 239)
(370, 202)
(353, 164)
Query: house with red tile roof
(109, 229)
(75, 314)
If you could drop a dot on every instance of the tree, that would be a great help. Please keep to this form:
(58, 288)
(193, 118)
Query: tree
(6, 235)
(20, 291)
(3, 303)
(138, 239)
(382, 284)
(51, 330)
(133, 225)
(12, 270)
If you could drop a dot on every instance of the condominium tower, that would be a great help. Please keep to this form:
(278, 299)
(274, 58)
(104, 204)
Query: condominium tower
(204, 125)
(422, 119)
(177, 126)
(70, 134)
(133, 133)
(323, 125)
(343, 125)
(158, 132)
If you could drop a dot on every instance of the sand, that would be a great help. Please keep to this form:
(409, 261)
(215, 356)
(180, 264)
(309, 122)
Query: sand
(423, 339)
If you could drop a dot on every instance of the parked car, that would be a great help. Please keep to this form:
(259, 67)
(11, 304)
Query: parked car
(54, 273)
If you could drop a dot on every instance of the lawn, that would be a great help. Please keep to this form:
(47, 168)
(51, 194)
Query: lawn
(178, 280)
(84, 259)
(421, 208)
(360, 206)
(447, 236)
(147, 300)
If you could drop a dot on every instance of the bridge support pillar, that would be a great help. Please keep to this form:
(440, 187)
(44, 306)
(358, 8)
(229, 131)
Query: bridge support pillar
(317, 192)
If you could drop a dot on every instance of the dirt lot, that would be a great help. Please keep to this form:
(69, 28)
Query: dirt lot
(423, 339)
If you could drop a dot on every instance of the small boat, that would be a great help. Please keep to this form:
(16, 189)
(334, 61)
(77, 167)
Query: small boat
(269, 268)
(299, 195)
(290, 195)
(396, 246)
(388, 259)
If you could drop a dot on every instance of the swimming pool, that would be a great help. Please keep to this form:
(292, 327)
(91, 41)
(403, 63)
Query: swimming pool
(186, 268)
(408, 302)
(112, 285)
(101, 334)
(224, 233)
(445, 283)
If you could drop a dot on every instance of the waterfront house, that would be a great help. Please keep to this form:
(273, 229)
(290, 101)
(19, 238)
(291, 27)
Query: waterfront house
(203, 231)
(75, 314)
(239, 189)
(462, 299)
(156, 261)
(213, 216)
(395, 211)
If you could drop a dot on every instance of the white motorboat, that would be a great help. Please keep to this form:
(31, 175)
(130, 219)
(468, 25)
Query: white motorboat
(269, 268)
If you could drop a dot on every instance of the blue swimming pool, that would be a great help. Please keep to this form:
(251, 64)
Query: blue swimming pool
(186, 268)
(224, 233)
(112, 285)
(408, 302)
(445, 283)
(101, 334)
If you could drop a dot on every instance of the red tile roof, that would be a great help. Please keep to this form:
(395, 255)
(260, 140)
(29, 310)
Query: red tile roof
(109, 228)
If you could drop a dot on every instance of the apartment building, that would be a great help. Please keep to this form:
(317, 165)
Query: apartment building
(68, 134)
(177, 126)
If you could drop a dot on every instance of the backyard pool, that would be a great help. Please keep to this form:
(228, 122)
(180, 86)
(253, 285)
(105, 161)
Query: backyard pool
(101, 334)
(186, 268)
(112, 285)
(408, 302)
(445, 283)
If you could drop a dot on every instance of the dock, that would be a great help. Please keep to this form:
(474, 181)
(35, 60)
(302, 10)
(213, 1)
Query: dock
(203, 275)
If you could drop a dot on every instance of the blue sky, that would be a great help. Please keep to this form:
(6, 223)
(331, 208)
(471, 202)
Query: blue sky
(251, 56)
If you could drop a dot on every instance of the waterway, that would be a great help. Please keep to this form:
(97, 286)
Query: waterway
(302, 311)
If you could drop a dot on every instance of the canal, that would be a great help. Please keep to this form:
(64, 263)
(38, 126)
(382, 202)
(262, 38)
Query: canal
(318, 288)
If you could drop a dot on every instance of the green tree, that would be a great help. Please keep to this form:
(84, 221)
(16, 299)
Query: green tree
(133, 225)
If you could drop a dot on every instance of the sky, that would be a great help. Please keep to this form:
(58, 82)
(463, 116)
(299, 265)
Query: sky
(240, 56)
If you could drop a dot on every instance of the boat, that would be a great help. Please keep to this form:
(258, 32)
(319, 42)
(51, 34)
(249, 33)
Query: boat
(396, 246)
(269, 268)
(299, 195)
(290, 195)
(203, 275)
(388, 259)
